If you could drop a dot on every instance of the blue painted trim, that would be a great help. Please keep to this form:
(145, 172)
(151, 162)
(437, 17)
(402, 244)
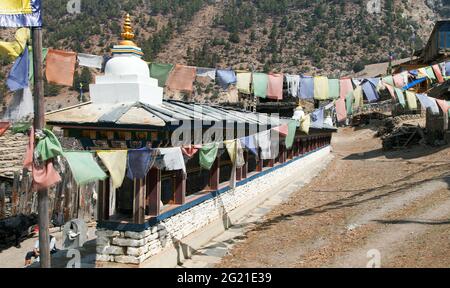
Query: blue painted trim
(141, 227)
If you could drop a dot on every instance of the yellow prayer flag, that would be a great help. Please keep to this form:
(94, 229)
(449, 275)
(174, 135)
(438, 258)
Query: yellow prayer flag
(305, 123)
(358, 96)
(321, 88)
(15, 7)
(116, 163)
(243, 82)
(411, 99)
(14, 49)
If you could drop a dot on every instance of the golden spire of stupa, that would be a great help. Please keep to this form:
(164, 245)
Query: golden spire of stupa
(127, 34)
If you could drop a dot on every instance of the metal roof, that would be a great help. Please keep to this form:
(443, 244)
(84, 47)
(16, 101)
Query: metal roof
(170, 113)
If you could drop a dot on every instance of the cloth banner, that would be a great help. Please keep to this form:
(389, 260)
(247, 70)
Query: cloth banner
(321, 89)
(88, 60)
(250, 143)
(260, 84)
(400, 96)
(292, 130)
(411, 100)
(349, 99)
(173, 159)
(225, 78)
(334, 88)
(84, 168)
(443, 104)
(358, 97)
(306, 87)
(275, 86)
(244, 80)
(345, 87)
(20, 13)
(317, 118)
(341, 112)
(116, 163)
(370, 91)
(293, 84)
(181, 79)
(438, 73)
(20, 107)
(29, 154)
(60, 67)
(208, 155)
(139, 162)
(206, 72)
(48, 147)
(428, 102)
(305, 124)
(44, 176)
(235, 152)
(18, 76)
(264, 142)
(14, 49)
(190, 150)
(160, 72)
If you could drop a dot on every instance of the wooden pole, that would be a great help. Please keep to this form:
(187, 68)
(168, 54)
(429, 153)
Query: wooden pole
(39, 122)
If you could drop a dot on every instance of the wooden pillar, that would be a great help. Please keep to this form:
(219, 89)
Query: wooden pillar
(139, 201)
(271, 163)
(103, 200)
(154, 192)
(283, 154)
(214, 175)
(245, 167)
(15, 193)
(2, 200)
(260, 163)
(180, 190)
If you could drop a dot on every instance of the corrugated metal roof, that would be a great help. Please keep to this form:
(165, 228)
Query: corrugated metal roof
(170, 112)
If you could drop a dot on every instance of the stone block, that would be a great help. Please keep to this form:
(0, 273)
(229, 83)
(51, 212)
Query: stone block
(125, 259)
(128, 242)
(137, 235)
(111, 250)
(132, 251)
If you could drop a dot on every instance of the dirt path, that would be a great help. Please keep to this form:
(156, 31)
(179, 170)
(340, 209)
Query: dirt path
(396, 204)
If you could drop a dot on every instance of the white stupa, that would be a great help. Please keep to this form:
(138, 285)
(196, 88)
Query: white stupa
(127, 76)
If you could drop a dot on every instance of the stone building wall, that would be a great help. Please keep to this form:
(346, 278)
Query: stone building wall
(136, 247)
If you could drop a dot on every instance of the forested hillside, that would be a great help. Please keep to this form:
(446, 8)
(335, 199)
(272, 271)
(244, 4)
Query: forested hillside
(333, 37)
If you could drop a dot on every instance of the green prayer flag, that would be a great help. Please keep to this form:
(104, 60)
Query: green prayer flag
(400, 96)
(30, 66)
(430, 73)
(84, 168)
(20, 127)
(292, 129)
(208, 154)
(48, 147)
(349, 102)
(334, 88)
(389, 80)
(160, 72)
(260, 84)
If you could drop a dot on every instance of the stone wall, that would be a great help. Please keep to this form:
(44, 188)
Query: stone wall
(136, 247)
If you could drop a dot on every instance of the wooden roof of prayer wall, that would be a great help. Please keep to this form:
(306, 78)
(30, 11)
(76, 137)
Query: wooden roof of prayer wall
(159, 117)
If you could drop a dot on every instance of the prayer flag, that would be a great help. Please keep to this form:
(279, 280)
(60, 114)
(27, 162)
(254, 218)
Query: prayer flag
(275, 86)
(20, 13)
(181, 79)
(260, 83)
(60, 67)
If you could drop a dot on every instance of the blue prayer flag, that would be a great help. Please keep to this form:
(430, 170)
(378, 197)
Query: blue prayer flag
(18, 76)
(26, 13)
(225, 78)
(306, 88)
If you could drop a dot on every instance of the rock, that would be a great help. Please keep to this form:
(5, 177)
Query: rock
(128, 242)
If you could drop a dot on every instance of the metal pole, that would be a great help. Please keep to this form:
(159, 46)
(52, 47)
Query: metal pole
(39, 122)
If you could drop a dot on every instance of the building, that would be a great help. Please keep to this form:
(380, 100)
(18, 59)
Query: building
(151, 221)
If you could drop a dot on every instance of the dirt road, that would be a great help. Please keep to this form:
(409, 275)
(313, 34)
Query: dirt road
(390, 209)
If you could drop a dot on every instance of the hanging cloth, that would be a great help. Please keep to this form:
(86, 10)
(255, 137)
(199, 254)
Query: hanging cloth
(334, 88)
(49, 146)
(389, 80)
(444, 105)
(18, 76)
(400, 96)
(29, 154)
(84, 168)
(428, 102)
(430, 73)
(116, 163)
(260, 84)
(306, 87)
(275, 86)
(293, 84)
(370, 91)
(20, 13)
(160, 72)
(208, 155)
(264, 143)
(139, 162)
(21, 106)
(235, 152)
(358, 96)
(244, 80)
(438, 73)
(206, 72)
(349, 99)
(305, 124)
(225, 78)
(173, 159)
(44, 176)
(391, 91)
(292, 130)
(250, 143)
(283, 130)
(341, 112)
(321, 89)
(12, 50)
(446, 69)
(399, 80)
(190, 150)
(60, 67)
(88, 60)
(411, 100)
(317, 118)
(346, 86)
(181, 79)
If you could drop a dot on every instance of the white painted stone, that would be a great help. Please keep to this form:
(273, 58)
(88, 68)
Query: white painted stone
(128, 242)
